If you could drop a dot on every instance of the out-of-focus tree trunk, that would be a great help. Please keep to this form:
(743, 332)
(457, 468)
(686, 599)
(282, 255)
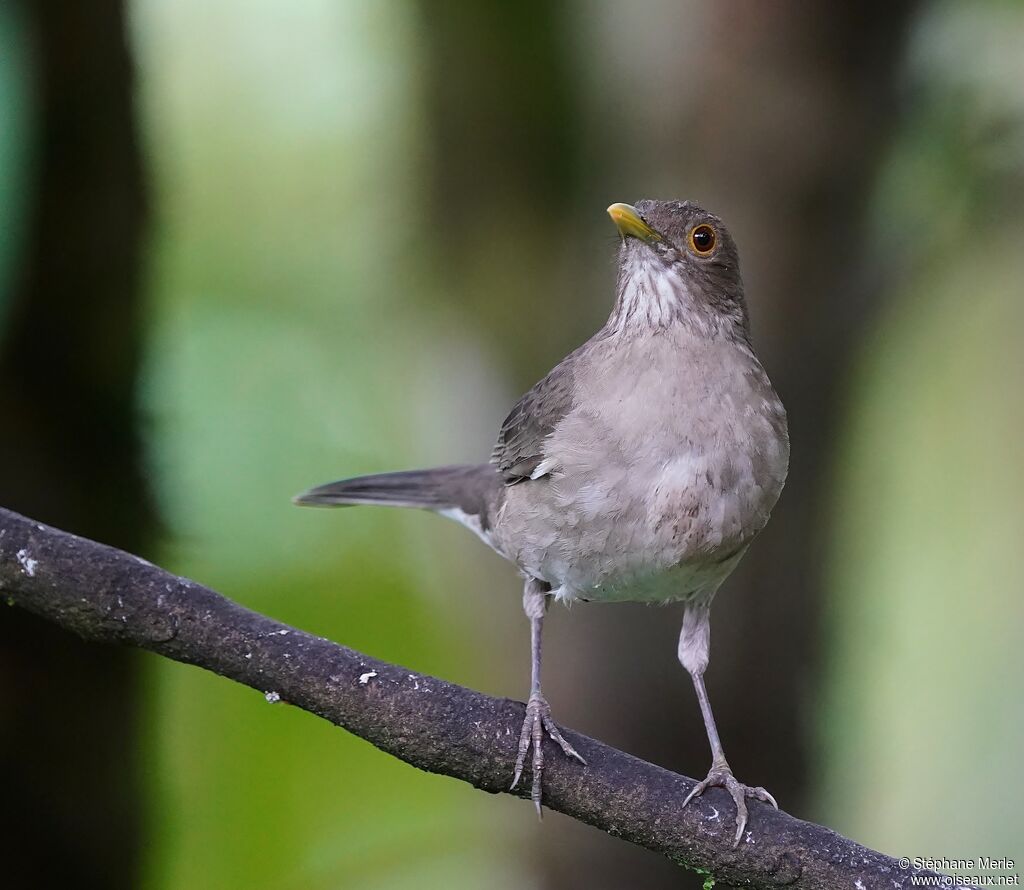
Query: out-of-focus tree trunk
(799, 181)
(504, 136)
(776, 117)
(70, 451)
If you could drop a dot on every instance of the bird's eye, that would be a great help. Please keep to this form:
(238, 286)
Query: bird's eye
(702, 239)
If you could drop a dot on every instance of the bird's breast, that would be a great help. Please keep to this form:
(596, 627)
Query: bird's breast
(663, 473)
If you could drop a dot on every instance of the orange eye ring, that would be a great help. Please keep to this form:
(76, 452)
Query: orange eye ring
(702, 239)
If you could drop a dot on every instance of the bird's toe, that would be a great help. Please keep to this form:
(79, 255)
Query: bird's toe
(536, 722)
(722, 777)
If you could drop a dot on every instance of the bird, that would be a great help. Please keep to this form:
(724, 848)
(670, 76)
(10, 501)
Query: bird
(639, 469)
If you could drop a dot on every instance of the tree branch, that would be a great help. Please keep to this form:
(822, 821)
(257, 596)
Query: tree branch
(108, 596)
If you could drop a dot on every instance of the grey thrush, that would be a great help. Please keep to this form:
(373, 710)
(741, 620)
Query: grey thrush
(639, 469)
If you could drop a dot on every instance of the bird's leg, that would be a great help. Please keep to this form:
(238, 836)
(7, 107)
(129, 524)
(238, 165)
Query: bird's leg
(538, 712)
(694, 645)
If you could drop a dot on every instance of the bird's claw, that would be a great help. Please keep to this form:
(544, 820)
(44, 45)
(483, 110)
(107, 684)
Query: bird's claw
(537, 721)
(721, 776)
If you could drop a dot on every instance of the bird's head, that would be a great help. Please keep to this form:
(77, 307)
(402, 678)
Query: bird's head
(677, 263)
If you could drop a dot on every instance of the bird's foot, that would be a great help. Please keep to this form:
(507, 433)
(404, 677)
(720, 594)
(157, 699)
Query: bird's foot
(722, 777)
(538, 720)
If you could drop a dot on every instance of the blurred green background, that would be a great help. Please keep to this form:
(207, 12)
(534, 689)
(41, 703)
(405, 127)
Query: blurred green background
(246, 247)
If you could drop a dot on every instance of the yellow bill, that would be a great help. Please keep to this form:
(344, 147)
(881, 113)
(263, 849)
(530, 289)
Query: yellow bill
(627, 220)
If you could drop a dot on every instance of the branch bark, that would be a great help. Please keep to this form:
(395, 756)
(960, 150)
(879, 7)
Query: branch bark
(109, 596)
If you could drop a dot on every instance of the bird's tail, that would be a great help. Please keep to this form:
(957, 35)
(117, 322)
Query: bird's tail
(468, 489)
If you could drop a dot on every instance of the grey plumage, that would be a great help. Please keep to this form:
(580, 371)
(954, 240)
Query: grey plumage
(521, 440)
(472, 489)
(641, 467)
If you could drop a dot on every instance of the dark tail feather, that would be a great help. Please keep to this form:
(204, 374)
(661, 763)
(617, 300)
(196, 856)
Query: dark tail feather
(468, 488)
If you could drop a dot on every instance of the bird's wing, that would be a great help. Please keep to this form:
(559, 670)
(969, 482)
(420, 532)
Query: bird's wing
(519, 451)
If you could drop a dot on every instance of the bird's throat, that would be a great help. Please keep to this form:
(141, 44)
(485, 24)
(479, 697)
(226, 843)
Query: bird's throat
(650, 295)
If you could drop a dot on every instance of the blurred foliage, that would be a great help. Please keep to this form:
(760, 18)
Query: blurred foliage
(290, 346)
(14, 148)
(923, 716)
